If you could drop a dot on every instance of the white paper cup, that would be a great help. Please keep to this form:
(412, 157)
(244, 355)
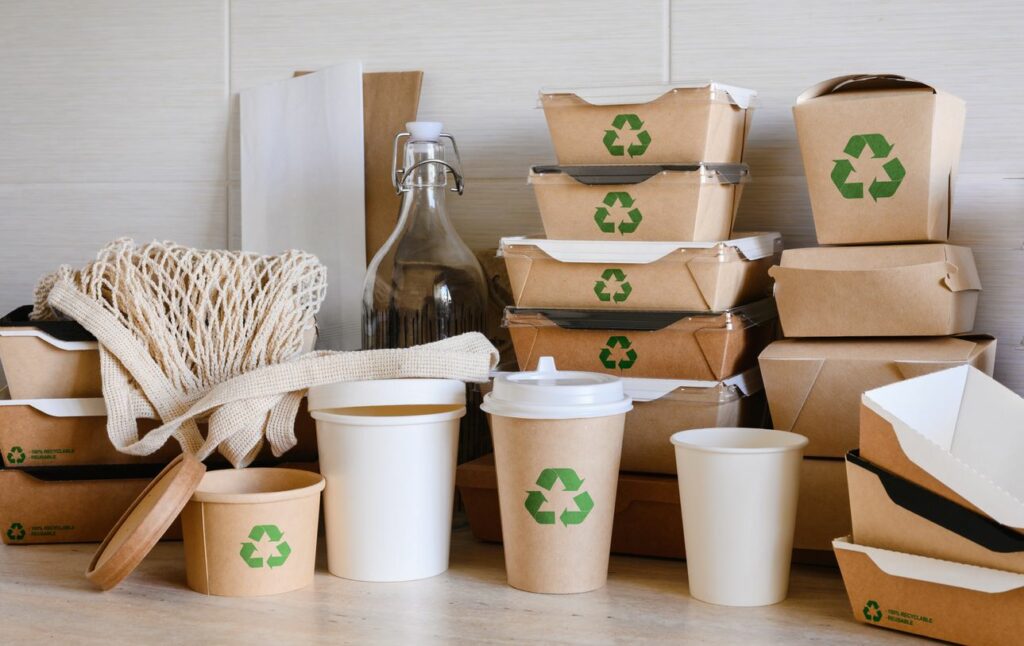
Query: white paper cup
(738, 488)
(390, 473)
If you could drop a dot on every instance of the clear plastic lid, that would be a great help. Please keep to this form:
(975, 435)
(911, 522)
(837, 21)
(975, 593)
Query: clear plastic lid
(641, 321)
(633, 94)
(549, 393)
(702, 172)
(751, 246)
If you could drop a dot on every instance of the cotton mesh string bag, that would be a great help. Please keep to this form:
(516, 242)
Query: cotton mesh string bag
(221, 336)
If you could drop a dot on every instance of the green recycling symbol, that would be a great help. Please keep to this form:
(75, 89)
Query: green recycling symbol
(606, 354)
(16, 455)
(610, 200)
(620, 294)
(16, 532)
(570, 482)
(880, 149)
(275, 535)
(872, 612)
(629, 122)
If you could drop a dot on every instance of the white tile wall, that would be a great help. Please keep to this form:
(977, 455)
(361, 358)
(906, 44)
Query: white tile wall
(118, 117)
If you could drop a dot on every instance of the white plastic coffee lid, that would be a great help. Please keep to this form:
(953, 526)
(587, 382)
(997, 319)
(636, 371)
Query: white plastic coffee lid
(424, 130)
(549, 393)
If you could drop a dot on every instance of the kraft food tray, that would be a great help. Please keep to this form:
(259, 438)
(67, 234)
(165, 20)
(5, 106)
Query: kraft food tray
(659, 276)
(666, 345)
(649, 124)
(48, 359)
(694, 202)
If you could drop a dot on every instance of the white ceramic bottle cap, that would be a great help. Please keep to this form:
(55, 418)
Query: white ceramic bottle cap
(549, 393)
(424, 130)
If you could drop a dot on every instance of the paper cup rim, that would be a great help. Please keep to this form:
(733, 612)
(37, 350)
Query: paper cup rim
(387, 420)
(787, 441)
(316, 484)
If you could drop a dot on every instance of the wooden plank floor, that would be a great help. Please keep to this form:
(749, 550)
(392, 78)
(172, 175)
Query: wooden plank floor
(44, 596)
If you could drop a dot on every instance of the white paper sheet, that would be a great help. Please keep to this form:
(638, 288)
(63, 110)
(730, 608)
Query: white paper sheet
(302, 184)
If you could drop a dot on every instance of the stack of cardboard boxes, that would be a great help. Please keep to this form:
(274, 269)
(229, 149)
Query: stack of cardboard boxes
(640, 275)
(895, 301)
(62, 479)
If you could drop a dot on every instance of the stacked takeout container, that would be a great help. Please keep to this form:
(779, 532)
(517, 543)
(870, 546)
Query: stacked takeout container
(640, 275)
(62, 479)
(891, 300)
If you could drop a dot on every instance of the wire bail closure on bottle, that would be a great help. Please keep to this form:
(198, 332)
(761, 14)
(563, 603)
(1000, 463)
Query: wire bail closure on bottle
(401, 177)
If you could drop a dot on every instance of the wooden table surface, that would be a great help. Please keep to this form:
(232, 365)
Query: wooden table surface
(44, 596)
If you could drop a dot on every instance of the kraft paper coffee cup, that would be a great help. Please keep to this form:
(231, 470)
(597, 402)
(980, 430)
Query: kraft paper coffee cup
(252, 532)
(557, 444)
(738, 488)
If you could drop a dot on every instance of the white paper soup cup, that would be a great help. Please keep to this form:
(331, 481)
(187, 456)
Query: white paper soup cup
(738, 488)
(388, 449)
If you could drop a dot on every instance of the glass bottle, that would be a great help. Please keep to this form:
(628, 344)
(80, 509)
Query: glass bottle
(424, 284)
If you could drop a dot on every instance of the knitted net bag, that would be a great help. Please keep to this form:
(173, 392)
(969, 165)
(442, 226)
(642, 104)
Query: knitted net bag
(224, 336)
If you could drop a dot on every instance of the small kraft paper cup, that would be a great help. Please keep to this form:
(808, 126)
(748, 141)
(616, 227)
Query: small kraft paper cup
(557, 445)
(252, 532)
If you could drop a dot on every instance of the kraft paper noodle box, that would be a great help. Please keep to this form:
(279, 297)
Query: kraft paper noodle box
(893, 513)
(880, 153)
(956, 433)
(73, 432)
(667, 345)
(694, 202)
(944, 600)
(649, 124)
(663, 406)
(814, 386)
(48, 359)
(648, 521)
(662, 276)
(900, 290)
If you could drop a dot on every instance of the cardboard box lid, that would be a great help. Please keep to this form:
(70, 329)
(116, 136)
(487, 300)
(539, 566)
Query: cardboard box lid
(702, 173)
(862, 83)
(965, 429)
(751, 246)
(583, 319)
(947, 573)
(17, 323)
(742, 385)
(953, 266)
(632, 94)
(937, 510)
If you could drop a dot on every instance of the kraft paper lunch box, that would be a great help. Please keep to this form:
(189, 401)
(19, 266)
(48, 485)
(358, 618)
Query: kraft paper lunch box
(73, 432)
(814, 386)
(954, 602)
(668, 345)
(692, 202)
(880, 153)
(662, 276)
(648, 520)
(663, 406)
(898, 290)
(956, 433)
(894, 513)
(648, 124)
(48, 359)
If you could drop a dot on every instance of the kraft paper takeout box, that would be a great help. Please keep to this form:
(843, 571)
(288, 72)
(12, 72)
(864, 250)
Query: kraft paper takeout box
(900, 290)
(939, 599)
(668, 345)
(663, 276)
(663, 406)
(69, 505)
(814, 386)
(650, 124)
(48, 359)
(667, 202)
(880, 153)
(73, 432)
(891, 512)
(648, 521)
(958, 433)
